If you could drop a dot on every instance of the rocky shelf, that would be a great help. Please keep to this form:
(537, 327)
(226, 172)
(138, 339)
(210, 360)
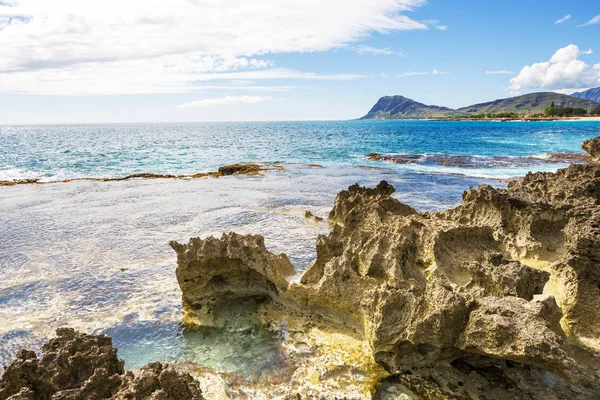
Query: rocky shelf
(497, 298)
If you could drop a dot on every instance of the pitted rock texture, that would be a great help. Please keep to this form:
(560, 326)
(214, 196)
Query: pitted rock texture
(158, 381)
(592, 147)
(76, 366)
(417, 284)
(71, 362)
(507, 282)
(234, 272)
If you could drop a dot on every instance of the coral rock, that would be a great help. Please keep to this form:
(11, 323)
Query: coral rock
(219, 275)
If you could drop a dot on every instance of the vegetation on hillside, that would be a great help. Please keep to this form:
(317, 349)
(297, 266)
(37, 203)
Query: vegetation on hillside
(533, 105)
(552, 111)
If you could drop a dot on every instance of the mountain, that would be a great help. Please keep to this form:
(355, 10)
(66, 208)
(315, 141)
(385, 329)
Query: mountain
(533, 102)
(591, 94)
(400, 107)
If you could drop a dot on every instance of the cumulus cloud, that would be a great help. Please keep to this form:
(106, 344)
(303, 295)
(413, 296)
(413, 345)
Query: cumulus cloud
(227, 100)
(563, 19)
(593, 21)
(110, 43)
(564, 71)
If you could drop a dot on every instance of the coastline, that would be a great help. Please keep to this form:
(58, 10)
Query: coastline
(548, 119)
(478, 287)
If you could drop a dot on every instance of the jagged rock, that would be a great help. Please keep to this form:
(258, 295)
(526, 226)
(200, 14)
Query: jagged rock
(499, 277)
(71, 361)
(411, 282)
(76, 366)
(514, 329)
(592, 147)
(218, 276)
(160, 382)
(501, 291)
(309, 215)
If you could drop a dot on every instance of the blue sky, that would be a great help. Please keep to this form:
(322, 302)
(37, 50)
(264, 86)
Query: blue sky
(195, 60)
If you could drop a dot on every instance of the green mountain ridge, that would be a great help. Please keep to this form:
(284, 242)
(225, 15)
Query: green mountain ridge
(590, 94)
(400, 107)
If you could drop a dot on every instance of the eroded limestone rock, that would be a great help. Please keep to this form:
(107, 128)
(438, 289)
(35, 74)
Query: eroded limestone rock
(505, 282)
(592, 147)
(231, 274)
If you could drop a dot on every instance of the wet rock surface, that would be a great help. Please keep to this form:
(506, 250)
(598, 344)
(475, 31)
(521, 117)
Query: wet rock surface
(455, 160)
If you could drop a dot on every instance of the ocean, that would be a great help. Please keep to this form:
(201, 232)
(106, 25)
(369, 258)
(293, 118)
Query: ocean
(94, 255)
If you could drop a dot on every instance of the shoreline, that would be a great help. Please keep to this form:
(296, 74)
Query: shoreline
(552, 119)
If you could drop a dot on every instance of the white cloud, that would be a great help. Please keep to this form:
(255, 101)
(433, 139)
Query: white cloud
(376, 51)
(435, 24)
(593, 21)
(422, 73)
(408, 74)
(564, 71)
(499, 72)
(227, 100)
(144, 77)
(111, 44)
(563, 19)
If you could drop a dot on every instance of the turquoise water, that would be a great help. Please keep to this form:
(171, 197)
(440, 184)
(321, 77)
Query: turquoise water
(95, 256)
(62, 152)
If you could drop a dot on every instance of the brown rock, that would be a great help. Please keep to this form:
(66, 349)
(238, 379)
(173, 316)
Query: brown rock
(219, 275)
(77, 366)
(592, 147)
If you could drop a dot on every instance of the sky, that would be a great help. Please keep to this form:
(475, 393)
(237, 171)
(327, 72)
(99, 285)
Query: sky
(110, 61)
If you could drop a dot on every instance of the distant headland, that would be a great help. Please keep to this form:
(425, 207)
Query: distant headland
(534, 106)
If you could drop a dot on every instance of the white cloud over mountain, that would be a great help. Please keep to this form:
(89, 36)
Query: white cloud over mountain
(564, 71)
(155, 46)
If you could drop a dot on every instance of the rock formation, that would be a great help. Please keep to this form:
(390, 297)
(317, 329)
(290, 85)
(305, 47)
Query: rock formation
(231, 274)
(592, 146)
(76, 366)
(497, 298)
(506, 282)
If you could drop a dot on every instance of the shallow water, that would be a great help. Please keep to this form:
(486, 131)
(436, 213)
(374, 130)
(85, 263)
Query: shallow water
(95, 255)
